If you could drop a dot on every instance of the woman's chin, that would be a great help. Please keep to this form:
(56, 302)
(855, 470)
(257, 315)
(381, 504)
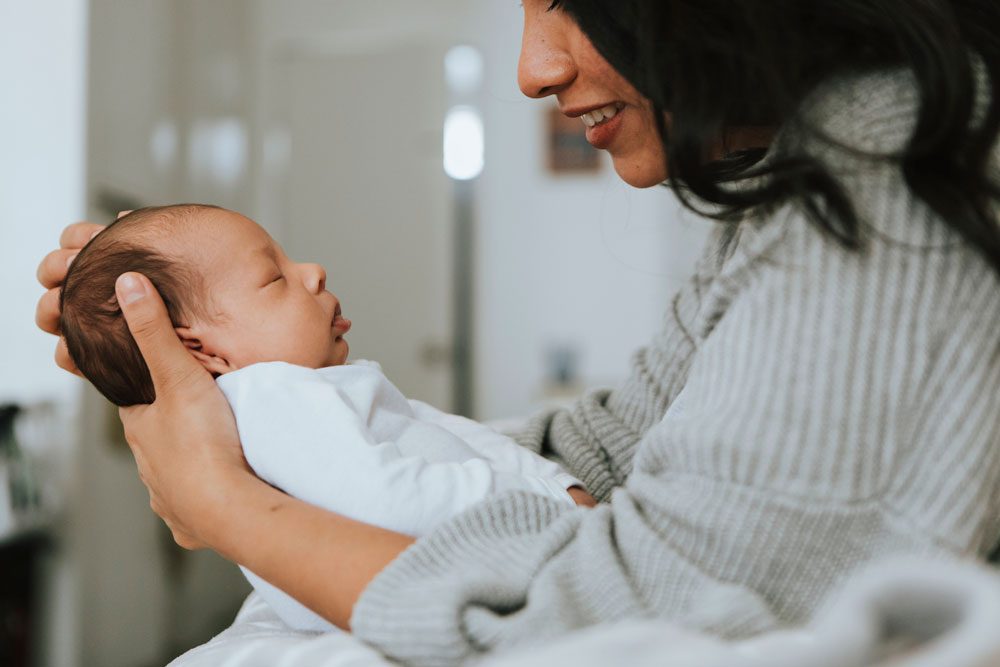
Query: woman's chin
(640, 173)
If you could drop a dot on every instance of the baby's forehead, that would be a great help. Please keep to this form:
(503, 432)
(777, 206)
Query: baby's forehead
(216, 237)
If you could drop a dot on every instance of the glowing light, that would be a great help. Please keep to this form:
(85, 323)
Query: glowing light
(463, 69)
(217, 149)
(463, 143)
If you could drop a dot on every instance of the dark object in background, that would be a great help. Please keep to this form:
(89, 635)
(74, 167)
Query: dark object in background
(18, 616)
(20, 483)
(19, 549)
(8, 412)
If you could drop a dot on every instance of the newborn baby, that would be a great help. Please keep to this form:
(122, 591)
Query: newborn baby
(335, 434)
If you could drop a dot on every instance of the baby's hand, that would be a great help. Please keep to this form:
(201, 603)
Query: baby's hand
(51, 274)
(581, 497)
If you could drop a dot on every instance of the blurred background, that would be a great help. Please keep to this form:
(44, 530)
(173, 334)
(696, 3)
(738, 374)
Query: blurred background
(488, 257)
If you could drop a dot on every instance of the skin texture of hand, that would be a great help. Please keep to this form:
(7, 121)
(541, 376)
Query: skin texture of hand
(51, 273)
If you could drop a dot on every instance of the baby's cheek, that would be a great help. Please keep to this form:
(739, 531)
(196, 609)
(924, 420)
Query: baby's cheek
(315, 351)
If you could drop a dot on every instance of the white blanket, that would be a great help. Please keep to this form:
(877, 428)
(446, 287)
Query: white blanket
(902, 613)
(345, 439)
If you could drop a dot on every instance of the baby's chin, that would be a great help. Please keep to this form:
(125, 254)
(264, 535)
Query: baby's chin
(338, 354)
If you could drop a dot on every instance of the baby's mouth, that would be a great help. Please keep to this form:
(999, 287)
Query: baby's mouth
(340, 324)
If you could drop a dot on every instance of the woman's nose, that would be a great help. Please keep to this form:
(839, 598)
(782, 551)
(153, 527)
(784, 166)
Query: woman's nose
(315, 277)
(545, 66)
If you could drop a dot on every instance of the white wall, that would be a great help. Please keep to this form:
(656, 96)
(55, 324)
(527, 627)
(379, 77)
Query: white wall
(42, 135)
(43, 64)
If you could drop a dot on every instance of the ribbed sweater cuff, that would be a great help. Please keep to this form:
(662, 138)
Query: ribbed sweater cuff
(481, 553)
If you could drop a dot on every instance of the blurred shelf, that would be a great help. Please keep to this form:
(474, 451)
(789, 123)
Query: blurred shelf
(27, 529)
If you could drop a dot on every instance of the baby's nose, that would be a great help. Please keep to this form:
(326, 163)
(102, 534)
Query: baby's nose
(316, 277)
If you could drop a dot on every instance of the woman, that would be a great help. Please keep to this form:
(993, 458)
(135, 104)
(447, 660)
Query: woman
(824, 391)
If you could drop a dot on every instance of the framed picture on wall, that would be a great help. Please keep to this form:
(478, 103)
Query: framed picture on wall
(569, 151)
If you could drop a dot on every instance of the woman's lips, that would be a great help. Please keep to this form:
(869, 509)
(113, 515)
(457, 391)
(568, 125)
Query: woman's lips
(603, 134)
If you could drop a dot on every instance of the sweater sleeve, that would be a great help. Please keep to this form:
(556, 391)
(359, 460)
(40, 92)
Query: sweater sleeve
(595, 439)
(794, 461)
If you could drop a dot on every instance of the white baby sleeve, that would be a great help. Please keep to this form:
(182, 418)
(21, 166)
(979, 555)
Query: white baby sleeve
(502, 451)
(302, 433)
(299, 435)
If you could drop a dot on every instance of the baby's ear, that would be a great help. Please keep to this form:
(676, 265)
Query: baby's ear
(213, 364)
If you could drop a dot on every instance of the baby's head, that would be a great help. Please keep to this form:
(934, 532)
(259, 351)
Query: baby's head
(233, 296)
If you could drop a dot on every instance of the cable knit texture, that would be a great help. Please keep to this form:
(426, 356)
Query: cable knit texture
(837, 407)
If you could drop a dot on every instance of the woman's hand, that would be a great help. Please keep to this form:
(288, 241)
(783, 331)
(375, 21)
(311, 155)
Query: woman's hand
(185, 443)
(51, 274)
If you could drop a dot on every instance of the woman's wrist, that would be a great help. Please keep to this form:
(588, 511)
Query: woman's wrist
(236, 498)
(292, 544)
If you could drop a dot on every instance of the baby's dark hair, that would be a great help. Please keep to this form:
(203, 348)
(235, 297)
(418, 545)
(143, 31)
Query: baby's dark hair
(97, 336)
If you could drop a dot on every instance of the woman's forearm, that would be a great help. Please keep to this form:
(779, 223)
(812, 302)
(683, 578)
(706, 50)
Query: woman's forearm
(321, 559)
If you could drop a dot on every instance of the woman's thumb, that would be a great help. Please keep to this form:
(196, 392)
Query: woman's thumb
(146, 315)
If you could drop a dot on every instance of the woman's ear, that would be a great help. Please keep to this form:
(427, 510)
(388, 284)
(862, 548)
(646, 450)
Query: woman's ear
(214, 364)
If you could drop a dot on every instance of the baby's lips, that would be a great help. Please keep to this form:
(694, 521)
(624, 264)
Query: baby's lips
(341, 325)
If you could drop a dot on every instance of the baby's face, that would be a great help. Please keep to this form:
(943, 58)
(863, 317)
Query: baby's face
(266, 307)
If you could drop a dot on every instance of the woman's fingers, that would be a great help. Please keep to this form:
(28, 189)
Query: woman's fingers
(77, 235)
(51, 273)
(52, 270)
(170, 364)
(63, 360)
(581, 497)
(47, 312)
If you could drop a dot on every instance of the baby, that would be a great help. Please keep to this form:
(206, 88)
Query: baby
(335, 434)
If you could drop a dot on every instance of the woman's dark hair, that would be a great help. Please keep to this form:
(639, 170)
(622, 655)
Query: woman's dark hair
(717, 65)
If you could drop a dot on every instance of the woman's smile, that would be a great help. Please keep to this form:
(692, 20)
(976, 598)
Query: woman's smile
(557, 59)
(602, 122)
(601, 132)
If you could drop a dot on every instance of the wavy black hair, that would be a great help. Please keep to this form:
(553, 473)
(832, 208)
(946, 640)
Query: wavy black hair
(718, 65)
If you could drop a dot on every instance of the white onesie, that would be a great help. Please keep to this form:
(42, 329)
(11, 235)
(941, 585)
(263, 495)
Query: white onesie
(345, 439)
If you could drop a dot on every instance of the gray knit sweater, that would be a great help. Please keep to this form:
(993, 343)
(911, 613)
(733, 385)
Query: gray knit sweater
(837, 407)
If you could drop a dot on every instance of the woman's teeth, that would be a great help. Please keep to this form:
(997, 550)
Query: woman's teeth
(598, 116)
